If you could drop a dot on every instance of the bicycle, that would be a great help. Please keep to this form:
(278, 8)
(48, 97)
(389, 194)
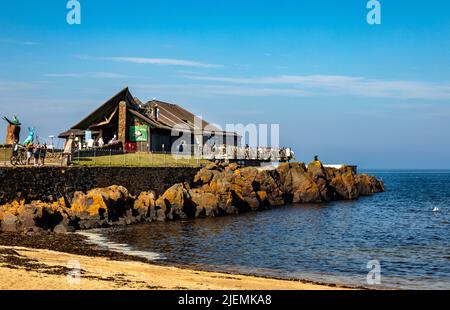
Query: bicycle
(18, 157)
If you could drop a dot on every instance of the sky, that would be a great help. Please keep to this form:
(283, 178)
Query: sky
(377, 96)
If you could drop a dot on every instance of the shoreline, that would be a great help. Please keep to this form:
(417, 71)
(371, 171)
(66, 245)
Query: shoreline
(45, 265)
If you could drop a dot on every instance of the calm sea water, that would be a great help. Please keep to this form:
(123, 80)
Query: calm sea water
(320, 242)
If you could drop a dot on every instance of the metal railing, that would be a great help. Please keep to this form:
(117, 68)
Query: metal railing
(116, 157)
(189, 157)
(52, 157)
(230, 152)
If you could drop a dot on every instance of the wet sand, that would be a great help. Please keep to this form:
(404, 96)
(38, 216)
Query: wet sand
(47, 262)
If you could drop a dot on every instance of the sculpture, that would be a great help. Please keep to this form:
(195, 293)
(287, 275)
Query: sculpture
(13, 131)
(30, 137)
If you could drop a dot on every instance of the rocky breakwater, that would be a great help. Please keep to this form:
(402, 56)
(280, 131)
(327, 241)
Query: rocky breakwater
(216, 190)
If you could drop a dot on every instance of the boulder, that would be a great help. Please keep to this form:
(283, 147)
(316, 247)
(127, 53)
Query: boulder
(204, 176)
(144, 206)
(9, 222)
(176, 203)
(266, 181)
(297, 184)
(212, 166)
(63, 228)
(244, 196)
(207, 204)
(104, 205)
(367, 185)
(319, 175)
(231, 167)
(345, 184)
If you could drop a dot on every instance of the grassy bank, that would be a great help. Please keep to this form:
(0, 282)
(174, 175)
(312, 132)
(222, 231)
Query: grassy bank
(139, 160)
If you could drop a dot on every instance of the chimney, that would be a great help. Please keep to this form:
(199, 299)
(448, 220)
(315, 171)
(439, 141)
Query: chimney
(122, 128)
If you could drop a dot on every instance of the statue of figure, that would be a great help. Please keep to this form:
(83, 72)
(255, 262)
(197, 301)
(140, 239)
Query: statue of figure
(13, 131)
(30, 137)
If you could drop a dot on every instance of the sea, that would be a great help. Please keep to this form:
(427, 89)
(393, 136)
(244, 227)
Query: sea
(399, 239)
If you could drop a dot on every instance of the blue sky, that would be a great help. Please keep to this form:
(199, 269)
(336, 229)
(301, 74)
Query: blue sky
(373, 95)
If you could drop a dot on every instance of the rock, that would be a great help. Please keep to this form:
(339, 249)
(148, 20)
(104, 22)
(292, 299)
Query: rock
(204, 176)
(176, 203)
(212, 166)
(102, 204)
(265, 181)
(217, 189)
(367, 185)
(9, 222)
(243, 195)
(345, 184)
(297, 184)
(319, 175)
(63, 228)
(144, 206)
(207, 204)
(232, 167)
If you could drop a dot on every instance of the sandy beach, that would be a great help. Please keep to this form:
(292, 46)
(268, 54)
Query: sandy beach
(38, 269)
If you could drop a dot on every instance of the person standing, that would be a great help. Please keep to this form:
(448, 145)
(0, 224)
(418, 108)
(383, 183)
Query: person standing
(43, 153)
(16, 148)
(29, 153)
(37, 151)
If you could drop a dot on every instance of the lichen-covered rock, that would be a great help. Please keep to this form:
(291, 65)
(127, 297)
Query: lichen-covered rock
(216, 190)
(319, 175)
(297, 184)
(266, 181)
(244, 197)
(101, 206)
(176, 203)
(206, 204)
(345, 184)
(9, 222)
(368, 185)
(204, 176)
(144, 206)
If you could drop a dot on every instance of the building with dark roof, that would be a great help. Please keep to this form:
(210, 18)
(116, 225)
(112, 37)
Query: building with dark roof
(154, 126)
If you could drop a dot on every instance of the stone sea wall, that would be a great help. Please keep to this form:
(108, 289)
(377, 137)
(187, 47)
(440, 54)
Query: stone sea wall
(51, 183)
(216, 190)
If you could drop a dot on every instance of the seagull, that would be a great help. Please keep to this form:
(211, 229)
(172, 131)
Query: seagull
(435, 209)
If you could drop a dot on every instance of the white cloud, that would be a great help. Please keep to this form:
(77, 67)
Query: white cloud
(95, 75)
(161, 62)
(202, 90)
(10, 86)
(16, 42)
(338, 85)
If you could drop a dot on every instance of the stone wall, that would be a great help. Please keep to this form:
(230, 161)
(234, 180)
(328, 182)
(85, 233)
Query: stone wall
(47, 183)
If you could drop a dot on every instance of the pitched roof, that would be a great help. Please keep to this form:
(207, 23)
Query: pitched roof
(106, 108)
(170, 114)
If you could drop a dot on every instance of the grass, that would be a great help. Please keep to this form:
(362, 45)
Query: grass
(139, 160)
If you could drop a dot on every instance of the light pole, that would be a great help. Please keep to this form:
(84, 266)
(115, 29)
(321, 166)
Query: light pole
(53, 144)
